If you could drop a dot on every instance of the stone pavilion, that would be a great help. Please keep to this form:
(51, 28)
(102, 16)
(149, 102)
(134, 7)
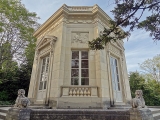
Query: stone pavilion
(66, 73)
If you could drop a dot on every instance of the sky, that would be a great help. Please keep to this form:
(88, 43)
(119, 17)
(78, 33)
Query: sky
(138, 48)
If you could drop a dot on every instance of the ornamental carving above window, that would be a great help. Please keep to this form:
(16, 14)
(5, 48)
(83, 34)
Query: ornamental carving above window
(80, 37)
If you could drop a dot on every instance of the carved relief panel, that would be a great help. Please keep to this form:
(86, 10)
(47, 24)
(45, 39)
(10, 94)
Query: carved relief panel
(80, 37)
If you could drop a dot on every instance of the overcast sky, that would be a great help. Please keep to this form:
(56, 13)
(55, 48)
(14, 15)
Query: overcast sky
(138, 48)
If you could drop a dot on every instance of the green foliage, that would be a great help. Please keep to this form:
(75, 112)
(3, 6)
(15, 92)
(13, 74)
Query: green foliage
(152, 67)
(6, 103)
(17, 25)
(150, 88)
(17, 47)
(125, 15)
(9, 88)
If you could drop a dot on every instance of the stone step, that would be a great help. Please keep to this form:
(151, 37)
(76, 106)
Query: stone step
(3, 112)
(156, 111)
(2, 115)
(156, 116)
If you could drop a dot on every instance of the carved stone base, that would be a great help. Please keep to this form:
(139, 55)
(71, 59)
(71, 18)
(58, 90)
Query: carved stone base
(140, 114)
(79, 114)
(18, 114)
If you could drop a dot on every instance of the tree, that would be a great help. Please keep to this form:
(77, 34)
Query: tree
(136, 82)
(17, 25)
(152, 67)
(150, 88)
(125, 15)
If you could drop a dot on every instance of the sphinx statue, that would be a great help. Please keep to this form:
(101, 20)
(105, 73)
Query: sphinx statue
(22, 101)
(138, 101)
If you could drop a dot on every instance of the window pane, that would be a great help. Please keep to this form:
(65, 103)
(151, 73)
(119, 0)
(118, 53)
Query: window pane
(85, 81)
(75, 54)
(74, 73)
(116, 70)
(74, 81)
(117, 78)
(40, 85)
(42, 77)
(115, 62)
(45, 82)
(47, 64)
(75, 64)
(42, 69)
(44, 61)
(84, 55)
(118, 87)
(84, 63)
(84, 73)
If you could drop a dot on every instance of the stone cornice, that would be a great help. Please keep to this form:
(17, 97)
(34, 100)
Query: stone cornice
(69, 11)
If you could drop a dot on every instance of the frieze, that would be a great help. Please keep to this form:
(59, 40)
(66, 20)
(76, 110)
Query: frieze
(80, 37)
(80, 8)
(75, 21)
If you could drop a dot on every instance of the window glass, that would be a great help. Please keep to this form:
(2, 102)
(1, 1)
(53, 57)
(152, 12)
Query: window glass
(75, 63)
(84, 55)
(84, 73)
(115, 74)
(75, 73)
(75, 54)
(74, 81)
(79, 68)
(84, 63)
(85, 81)
(44, 73)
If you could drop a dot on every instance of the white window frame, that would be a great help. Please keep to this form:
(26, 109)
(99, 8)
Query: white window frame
(47, 59)
(80, 67)
(116, 73)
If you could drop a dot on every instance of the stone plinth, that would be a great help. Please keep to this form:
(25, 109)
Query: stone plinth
(141, 114)
(79, 114)
(18, 114)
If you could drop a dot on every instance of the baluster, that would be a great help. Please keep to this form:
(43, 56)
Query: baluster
(81, 92)
(89, 93)
(85, 91)
(78, 92)
(70, 92)
(74, 92)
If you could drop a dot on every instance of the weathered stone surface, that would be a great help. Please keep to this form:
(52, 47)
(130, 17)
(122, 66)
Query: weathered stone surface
(138, 101)
(18, 114)
(22, 101)
(81, 114)
(141, 114)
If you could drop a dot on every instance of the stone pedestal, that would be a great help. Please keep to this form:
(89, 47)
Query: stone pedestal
(79, 114)
(18, 114)
(141, 114)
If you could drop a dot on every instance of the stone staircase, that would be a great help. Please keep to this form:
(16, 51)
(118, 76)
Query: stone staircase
(3, 112)
(155, 112)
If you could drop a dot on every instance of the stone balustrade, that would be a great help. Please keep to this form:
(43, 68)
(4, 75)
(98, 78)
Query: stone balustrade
(79, 91)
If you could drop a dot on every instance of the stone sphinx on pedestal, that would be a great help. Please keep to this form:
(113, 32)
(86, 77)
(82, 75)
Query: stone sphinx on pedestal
(20, 111)
(139, 111)
(138, 101)
(22, 101)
